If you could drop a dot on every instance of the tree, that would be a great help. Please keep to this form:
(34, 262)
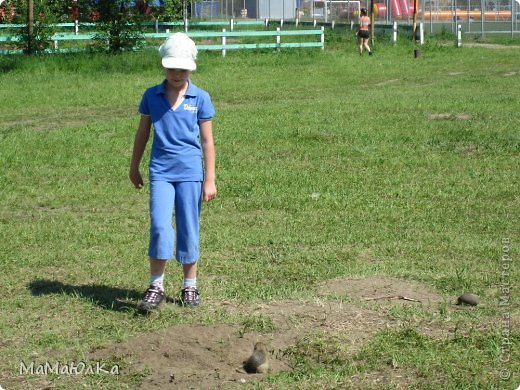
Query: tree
(172, 9)
(120, 26)
(36, 37)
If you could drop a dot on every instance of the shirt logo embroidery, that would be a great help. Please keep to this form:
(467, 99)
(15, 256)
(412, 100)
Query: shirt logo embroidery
(190, 107)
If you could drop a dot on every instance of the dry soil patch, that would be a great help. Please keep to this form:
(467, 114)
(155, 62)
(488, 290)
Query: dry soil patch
(209, 356)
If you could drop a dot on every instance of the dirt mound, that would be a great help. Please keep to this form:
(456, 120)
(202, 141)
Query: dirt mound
(383, 289)
(185, 357)
(209, 357)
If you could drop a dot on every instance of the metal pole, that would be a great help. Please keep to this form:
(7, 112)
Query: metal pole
(451, 16)
(372, 20)
(469, 16)
(482, 4)
(30, 21)
(422, 22)
(431, 22)
(516, 19)
(325, 11)
(456, 16)
(512, 18)
(414, 23)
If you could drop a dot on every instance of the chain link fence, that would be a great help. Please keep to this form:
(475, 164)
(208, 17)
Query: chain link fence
(475, 16)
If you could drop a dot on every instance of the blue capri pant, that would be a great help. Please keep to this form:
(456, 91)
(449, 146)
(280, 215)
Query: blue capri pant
(182, 199)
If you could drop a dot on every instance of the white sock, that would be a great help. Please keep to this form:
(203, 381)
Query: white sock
(190, 282)
(157, 280)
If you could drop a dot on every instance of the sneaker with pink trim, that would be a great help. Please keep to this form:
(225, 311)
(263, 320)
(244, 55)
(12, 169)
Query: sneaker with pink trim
(153, 297)
(190, 296)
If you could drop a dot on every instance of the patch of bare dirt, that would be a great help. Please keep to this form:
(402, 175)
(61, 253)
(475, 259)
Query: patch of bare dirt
(75, 118)
(491, 45)
(383, 289)
(386, 82)
(190, 357)
(210, 357)
(450, 116)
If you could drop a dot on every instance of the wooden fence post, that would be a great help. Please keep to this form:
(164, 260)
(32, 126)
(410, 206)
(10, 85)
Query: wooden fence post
(30, 20)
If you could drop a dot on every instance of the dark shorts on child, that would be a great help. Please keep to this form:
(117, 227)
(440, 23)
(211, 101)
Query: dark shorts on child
(363, 34)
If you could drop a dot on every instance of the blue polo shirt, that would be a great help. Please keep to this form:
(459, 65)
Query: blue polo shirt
(176, 150)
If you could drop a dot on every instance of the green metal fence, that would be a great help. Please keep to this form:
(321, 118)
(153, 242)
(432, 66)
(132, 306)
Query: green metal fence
(206, 40)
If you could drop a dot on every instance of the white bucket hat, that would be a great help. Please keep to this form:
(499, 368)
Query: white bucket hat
(179, 52)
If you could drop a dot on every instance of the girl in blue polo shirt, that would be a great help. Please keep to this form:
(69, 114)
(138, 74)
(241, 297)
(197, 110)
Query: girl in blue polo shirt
(181, 168)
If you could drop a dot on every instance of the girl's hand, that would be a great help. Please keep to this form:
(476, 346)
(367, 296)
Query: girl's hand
(209, 191)
(136, 178)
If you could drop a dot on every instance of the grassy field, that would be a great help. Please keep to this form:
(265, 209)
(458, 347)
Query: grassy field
(330, 166)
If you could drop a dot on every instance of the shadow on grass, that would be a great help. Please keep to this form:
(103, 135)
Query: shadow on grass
(111, 298)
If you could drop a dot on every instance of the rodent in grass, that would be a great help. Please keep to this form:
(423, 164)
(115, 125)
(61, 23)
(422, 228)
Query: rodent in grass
(468, 299)
(258, 362)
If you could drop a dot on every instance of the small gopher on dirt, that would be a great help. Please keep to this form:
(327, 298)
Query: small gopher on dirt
(258, 362)
(468, 299)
